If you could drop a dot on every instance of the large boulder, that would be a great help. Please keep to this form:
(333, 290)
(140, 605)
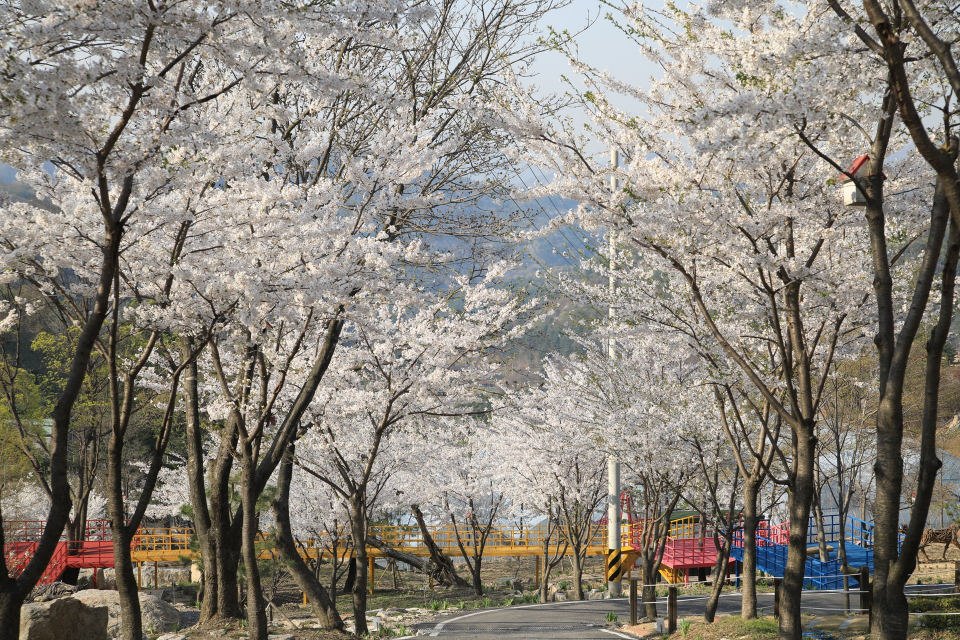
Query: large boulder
(157, 616)
(63, 618)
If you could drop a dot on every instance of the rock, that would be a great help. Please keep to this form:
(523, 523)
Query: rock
(166, 576)
(157, 615)
(595, 595)
(393, 612)
(44, 592)
(172, 636)
(63, 618)
(285, 636)
(560, 596)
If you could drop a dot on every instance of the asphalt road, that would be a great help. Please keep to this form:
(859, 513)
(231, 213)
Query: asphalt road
(586, 620)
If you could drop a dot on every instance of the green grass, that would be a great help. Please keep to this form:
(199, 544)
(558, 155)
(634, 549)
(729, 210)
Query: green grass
(931, 605)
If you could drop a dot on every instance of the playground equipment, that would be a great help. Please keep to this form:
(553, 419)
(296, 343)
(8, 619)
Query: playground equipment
(689, 546)
(856, 539)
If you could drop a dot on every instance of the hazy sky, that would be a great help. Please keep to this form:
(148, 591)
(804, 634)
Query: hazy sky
(601, 45)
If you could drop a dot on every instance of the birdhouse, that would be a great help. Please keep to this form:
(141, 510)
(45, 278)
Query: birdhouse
(853, 197)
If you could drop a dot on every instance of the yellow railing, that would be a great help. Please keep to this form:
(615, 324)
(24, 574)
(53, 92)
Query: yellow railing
(500, 538)
(684, 527)
(158, 544)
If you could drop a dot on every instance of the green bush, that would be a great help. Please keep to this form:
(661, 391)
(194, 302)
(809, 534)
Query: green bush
(932, 605)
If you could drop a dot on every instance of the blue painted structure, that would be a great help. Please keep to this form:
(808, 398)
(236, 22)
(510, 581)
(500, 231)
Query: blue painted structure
(857, 539)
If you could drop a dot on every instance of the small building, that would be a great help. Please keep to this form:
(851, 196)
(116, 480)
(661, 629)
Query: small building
(852, 196)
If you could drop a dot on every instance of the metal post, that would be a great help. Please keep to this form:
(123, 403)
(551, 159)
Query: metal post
(373, 566)
(633, 601)
(671, 609)
(139, 576)
(846, 594)
(537, 575)
(613, 518)
(776, 597)
(156, 575)
(956, 577)
(866, 594)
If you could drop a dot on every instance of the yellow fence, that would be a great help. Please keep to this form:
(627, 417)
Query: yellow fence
(159, 545)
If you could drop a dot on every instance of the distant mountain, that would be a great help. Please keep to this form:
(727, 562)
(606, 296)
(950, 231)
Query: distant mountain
(7, 174)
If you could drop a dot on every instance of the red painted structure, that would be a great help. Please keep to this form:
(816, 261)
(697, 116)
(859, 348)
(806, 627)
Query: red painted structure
(94, 552)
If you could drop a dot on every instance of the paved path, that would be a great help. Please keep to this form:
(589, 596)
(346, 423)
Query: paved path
(586, 620)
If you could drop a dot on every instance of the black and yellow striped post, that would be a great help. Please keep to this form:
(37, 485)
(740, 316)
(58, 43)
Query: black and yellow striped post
(614, 565)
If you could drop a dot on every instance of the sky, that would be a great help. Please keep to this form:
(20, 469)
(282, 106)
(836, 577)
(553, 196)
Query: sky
(601, 46)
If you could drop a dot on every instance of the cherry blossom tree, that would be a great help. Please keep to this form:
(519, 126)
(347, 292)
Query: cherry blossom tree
(731, 219)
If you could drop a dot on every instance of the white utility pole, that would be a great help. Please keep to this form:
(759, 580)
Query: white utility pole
(614, 163)
(614, 588)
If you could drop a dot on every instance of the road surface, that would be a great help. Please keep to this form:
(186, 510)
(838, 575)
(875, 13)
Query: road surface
(587, 620)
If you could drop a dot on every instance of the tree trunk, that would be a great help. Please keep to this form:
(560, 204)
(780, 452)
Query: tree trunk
(358, 527)
(649, 590)
(748, 601)
(14, 591)
(445, 571)
(11, 599)
(131, 625)
(893, 568)
(324, 607)
(256, 607)
(548, 564)
(822, 547)
(801, 498)
(545, 577)
(718, 576)
(127, 587)
(475, 573)
(196, 482)
(577, 559)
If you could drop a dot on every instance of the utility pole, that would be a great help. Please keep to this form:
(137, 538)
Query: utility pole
(614, 163)
(614, 587)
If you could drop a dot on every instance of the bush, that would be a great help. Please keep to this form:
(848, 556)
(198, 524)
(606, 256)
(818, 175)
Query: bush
(932, 605)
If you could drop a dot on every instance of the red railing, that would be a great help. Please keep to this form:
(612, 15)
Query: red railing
(689, 552)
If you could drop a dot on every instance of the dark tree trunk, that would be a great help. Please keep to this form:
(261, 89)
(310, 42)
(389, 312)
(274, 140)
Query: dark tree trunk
(224, 537)
(445, 571)
(650, 573)
(748, 603)
(227, 525)
(10, 602)
(801, 498)
(358, 527)
(719, 575)
(198, 491)
(822, 547)
(256, 607)
(14, 591)
(324, 606)
(127, 589)
(890, 611)
(577, 559)
(475, 575)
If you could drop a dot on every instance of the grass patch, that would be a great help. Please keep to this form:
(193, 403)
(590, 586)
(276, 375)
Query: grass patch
(727, 627)
(930, 606)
